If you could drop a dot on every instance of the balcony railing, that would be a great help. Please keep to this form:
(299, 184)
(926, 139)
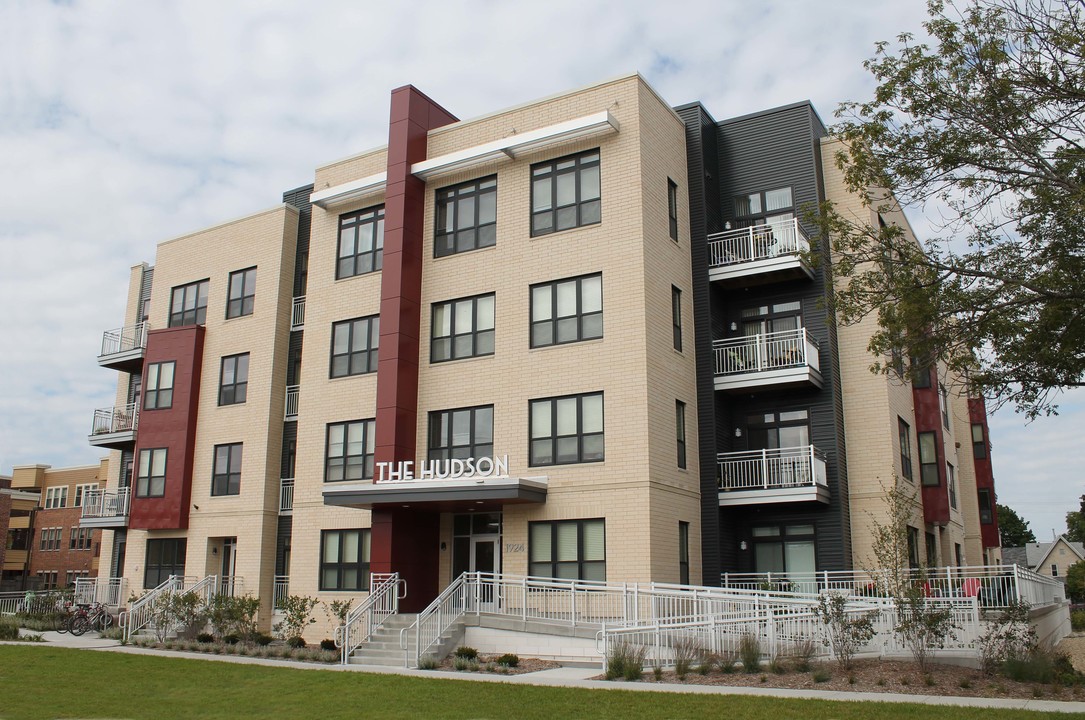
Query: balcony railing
(114, 427)
(297, 314)
(760, 242)
(125, 339)
(286, 495)
(106, 504)
(774, 352)
(293, 396)
(779, 468)
(280, 590)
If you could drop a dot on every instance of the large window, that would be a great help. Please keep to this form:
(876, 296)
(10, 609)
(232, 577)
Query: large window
(49, 539)
(676, 316)
(979, 442)
(683, 553)
(151, 478)
(81, 493)
(928, 459)
(905, 436)
(951, 483)
(567, 430)
(466, 217)
(943, 404)
(350, 447)
(159, 391)
(188, 304)
(226, 475)
(764, 208)
(565, 193)
(672, 208)
(242, 293)
(344, 560)
(987, 515)
(56, 497)
(568, 549)
(164, 558)
(680, 431)
(361, 243)
(462, 328)
(81, 539)
(921, 378)
(566, 311)
(234, 379)
(354, 346)
(784, 549)
(461, 433)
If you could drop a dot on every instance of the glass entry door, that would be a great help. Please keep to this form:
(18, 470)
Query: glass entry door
(486, 558)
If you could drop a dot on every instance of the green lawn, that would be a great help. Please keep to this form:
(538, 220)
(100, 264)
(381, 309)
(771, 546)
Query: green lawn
(38, 682)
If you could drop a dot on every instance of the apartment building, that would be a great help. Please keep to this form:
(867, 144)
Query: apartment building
(577, 338)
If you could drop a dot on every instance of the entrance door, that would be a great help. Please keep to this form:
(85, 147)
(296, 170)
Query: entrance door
(229, 565)
(486, 558)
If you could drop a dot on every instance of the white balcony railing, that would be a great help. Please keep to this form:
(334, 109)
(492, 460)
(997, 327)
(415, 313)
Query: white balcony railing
(115, 419)
(760, 242)
(280, 590)
(106, 504)
(106, 590)
(293, 396)
(793, 467)
(760, 353)
(297, 314)
(286, 495)
(125, 339)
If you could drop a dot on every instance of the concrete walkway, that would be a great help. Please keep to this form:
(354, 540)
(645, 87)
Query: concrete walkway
(573, 677)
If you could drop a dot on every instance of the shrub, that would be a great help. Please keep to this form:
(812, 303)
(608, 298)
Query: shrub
(923, 625)
(468, 653)
(296, 642)
(337, 610)
(845, 632)
(230, 615)
(1077, 620)
(297, 613)
(1009, 636)
(1042, 666)
(112, 632)
(8, 630)
(263, 639)
(777, 666)
(625, 660)
(749, 649)
(964, 684)
(508, 660)
(657, 671)
(428, 662)
(230, 639)
(821, 675)
(803, 653)
(726, 663)
(328, 644)
(686, 652)
(464, 663)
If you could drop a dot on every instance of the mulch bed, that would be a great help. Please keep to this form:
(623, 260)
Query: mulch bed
(488, 664)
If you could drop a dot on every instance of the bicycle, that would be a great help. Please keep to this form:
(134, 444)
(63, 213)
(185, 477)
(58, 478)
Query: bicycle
(95, 618)
(62, 615)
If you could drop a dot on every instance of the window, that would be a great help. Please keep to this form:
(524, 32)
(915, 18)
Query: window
(957, 554)
(565, 193)
(567, 430)
(951, 482)
(913, 547)
(242, 291)
(932, 550)
(943, 404)
(567, 311)
(986, 515)
(158, 394)
(188, 304)
(234, 379)
(979, 443)
(165, 557)
(462, 329)
(354, 346)
(676, 316)
(49, 539)
(466, 217)
(683, 553)
(56, 497)
(80, 539)
(568, 549)
(672, 210)
(1054, 570)
(784, 548)
(680, 431)
(344, 560)
(464, 528)
(361, 243)
(350, 447)
(72, 575)
(151, 480)
(905, 435)
(81, 493)
(922, 378)
(928, 459)
(764, 208)
(47, 579)
(226, 475)
(461, 433)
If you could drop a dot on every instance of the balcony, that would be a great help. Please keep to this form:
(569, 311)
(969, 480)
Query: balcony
(280, 591)
(758, 255)
(286, 496)
(788, 358)
(124, 348)
(297, 313)
(104, 509)
(780, 475)
(293, 396)
(115, 427)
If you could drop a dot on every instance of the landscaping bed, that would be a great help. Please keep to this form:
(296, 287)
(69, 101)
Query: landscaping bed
(272, 650)
(492, 664)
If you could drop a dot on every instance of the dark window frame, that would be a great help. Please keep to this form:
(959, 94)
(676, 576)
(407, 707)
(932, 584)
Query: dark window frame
(552, 170)
(447, 449)
(365, 358)
(368, 427)
(943, 402)
(680, 431)
(676, 316)
(153, 391)
(951, 485)
(354, 263)
(555, 322)
(929, 473)
(761, 215)
(580, 561)
(195, 315)
(362, 567)
(986, 506)
(145, 484)
(683, 553)
(554, 438)
(235, 392)
(921, 380)
(979, 446)
(178, 550)
(672, 209)
(449, 200)
(904, 435)
(226, 480)
(245, 300)
(476, 334)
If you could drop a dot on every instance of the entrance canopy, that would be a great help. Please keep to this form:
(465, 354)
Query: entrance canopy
(500, 490)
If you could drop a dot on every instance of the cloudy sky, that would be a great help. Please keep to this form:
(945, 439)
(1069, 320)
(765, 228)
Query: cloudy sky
(123, 124)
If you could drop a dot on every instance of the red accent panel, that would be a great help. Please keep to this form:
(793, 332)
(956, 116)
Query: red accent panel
(404, 541)
(928, 418)
(173, 428)
(985, 478)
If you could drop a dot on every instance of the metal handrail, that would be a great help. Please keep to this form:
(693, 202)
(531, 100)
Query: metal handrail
(286, 495)
(122, 418)
(130, 337)
(758, 242)
(297, 313)
(293, 397)
(280, 588)
(767, 351)
(106, 504)
(438, 616)
(139, 615)
(801, 466)
(385, 592)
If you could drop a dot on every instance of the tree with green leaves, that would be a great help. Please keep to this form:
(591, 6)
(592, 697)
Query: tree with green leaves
(1013, 530)
(1075, 523)
(1075, 582)
(983, 127)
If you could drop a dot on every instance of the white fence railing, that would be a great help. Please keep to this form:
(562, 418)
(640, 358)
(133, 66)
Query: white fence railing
(385, 592)
(293, 396)
(759, 242)
(297, 313)
(231, 585)
(286, 495)
(141, 613)
(32, 601)
(106, 504)
(124, 339)
(115, 419)
(105, 590)
(280, 590)
(770, 469)
(761, 353)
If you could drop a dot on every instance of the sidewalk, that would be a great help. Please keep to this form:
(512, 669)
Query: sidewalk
(572, 677)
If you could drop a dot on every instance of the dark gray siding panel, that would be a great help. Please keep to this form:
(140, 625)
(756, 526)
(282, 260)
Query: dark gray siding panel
(282, 544)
